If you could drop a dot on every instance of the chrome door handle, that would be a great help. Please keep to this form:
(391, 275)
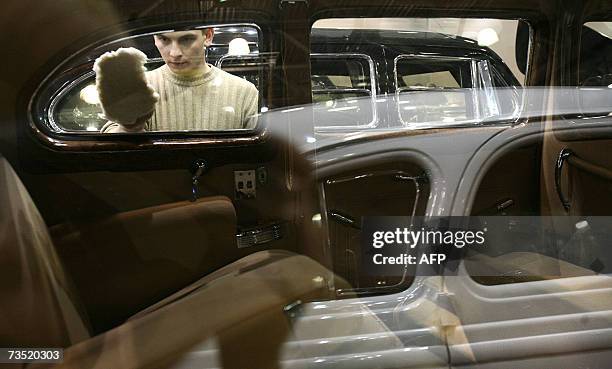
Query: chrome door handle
(343, 219)
(198, 168)
(563, 156)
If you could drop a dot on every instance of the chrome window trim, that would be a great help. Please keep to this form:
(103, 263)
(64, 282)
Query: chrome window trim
(372, 71)
(516, 104)
(486, 84)
(131, 37)
(399, 173)
(530, 50)
(427, 57)
(476, 86)
(50, 110)
(223, 58)
(473, 78)
(270, 59)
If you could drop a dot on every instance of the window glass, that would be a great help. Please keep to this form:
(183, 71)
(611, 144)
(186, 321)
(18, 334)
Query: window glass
(341, 71)
(190, 96)
(596, 54)
(595, 71)
(441, 71)
(430, 91)
(415, 73)
(348, 199)
(343, 90)
(252, 67)
(444, 79)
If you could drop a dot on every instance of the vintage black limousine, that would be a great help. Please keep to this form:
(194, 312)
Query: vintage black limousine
(249, 248)
(399, 65)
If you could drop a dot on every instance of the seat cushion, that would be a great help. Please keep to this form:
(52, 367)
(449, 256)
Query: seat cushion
(243, 310)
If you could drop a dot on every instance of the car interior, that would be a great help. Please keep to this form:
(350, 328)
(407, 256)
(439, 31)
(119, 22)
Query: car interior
(131, 250)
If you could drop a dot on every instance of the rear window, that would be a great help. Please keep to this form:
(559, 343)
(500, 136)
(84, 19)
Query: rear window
(343, 89)
(595, 70)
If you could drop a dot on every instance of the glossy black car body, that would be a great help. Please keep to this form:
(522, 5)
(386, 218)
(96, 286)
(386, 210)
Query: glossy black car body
(388, 57)
(385, 46)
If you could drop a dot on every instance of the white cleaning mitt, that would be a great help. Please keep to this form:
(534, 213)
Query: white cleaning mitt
(122, 87)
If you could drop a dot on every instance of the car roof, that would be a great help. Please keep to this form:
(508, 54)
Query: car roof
(391, 37)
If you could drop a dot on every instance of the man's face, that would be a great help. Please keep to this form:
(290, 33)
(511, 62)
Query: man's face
(183, 51)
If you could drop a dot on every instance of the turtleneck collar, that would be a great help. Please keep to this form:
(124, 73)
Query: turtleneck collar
(194, 80)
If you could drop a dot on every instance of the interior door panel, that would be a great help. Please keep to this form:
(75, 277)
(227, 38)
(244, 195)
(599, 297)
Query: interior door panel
(398, 189)
(544, 307)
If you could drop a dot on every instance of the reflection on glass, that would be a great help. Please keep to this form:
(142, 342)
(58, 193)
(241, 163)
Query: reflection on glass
(595, 69)
(89, 95)
(418, 107)
(194, 94)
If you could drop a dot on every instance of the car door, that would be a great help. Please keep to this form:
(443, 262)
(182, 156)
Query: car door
(546, 303)
(117, 206)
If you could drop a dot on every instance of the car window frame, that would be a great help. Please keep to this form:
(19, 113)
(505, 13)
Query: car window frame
(373, 91)
(64, 90)
(473, 79)
(56, 81)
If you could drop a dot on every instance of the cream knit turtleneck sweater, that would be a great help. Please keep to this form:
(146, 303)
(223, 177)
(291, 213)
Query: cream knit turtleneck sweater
(216, 100)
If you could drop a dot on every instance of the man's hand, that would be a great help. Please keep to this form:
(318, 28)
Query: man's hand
(137, 127)
(127, 99)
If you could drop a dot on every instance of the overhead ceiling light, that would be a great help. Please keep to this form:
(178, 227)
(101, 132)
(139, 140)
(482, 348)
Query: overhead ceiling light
(238, 46)
(487, 37)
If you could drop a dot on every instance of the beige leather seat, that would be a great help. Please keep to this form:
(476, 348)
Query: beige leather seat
(131, 260)
(241, 305)
(38, 305)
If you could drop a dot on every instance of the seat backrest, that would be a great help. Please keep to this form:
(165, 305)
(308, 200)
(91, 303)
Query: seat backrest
(38, 307)
(126, 262)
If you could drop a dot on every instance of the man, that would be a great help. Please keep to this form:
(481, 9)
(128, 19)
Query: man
(191, 94)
